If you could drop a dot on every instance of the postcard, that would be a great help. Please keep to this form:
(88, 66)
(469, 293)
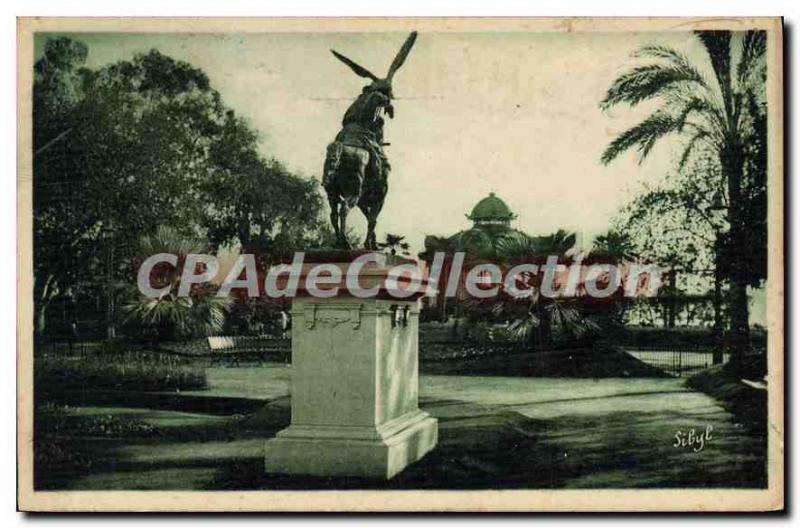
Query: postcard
(400, 264)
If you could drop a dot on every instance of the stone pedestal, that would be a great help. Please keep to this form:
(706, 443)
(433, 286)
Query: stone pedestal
(354, 390)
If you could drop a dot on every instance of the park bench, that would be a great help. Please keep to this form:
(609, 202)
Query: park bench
(219, 343)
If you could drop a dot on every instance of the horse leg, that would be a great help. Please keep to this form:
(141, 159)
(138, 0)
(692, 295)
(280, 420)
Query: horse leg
(372, 213)
(344, 209)
(333, 202)
(369, 171)
(371, 242)
(369, 238)
(373, 209)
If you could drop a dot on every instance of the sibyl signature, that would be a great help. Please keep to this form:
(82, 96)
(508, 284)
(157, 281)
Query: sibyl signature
(692, 439)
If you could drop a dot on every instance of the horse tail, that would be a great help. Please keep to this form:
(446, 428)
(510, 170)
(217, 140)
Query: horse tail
(332, 161)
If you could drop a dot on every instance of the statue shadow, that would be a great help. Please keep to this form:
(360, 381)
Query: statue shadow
(219, 446)
(493, 447)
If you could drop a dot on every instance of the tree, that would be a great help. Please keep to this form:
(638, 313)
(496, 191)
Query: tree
(63, 222)
(725, 117)
(171, 316)
(615, 245)
(678, 224)
(119, 157)
(558, 243)
(394, 243)
(533, 318)
(137, 144)
(256, 201)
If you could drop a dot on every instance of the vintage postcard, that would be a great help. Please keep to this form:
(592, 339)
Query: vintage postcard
(400, 264)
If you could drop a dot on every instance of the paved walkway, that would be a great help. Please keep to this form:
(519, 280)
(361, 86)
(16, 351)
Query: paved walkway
(495, 432)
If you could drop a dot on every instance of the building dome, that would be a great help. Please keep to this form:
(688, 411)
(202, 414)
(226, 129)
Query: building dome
(491, 211)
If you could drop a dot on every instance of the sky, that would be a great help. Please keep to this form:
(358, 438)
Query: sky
(515, 113)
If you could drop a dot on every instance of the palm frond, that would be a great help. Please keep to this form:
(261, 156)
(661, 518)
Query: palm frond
(687, 106)
(516, 246)
(678, 59)
(718, 46)
(570, 319)
(201, 313)
(614, 244)
(521, 329)
(661, 52)
(690, 146)
(557, 243)
(477, 242)
(650, 81)
(642, 136)
(168, 240)
(754, 49)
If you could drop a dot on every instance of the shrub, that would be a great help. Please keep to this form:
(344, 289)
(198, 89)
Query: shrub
(58, 448)
(131, 370)
(61, 420)
(171, 316)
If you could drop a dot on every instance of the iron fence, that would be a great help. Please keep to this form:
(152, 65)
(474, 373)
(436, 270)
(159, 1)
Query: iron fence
(676, 361)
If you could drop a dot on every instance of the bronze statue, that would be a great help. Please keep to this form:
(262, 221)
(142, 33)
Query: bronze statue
(356, 169)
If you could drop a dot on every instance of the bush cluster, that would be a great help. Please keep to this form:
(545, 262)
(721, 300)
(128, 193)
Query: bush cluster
(134, 370)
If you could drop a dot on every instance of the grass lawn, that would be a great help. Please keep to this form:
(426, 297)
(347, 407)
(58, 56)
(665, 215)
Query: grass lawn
(494, 432)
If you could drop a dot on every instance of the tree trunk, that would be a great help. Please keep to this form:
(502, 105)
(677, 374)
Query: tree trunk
(740, 326)
(672, 307)
(719, 346)
(545, 329)
(41, 320)
(731, 160)
(111, 328)
(40, 307)
(441, 295)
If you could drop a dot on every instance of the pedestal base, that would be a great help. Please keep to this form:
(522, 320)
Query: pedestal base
(355, 385)
(379, 452)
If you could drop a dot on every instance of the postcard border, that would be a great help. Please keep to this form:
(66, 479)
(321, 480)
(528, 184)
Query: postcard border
(684, 499)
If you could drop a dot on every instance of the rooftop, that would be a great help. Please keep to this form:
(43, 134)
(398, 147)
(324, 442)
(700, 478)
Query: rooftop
(491, 209)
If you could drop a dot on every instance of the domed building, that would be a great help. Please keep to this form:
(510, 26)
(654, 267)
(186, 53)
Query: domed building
(491, 222)
(491, 212)
(491, 238)
(491, 228)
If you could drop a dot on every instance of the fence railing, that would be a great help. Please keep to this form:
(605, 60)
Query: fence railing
(231, 350)
(676, 361)
(680, 361)
(76, 349)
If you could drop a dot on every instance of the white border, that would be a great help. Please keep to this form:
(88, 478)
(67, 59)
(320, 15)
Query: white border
(790, 9)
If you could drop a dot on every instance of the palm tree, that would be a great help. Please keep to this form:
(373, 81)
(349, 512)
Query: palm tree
(395, 243)
(171, 316)
(719, 116)
(536, 317)
(615, 246)
(557, 243)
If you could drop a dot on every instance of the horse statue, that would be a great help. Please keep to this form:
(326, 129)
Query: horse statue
(356, 170)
